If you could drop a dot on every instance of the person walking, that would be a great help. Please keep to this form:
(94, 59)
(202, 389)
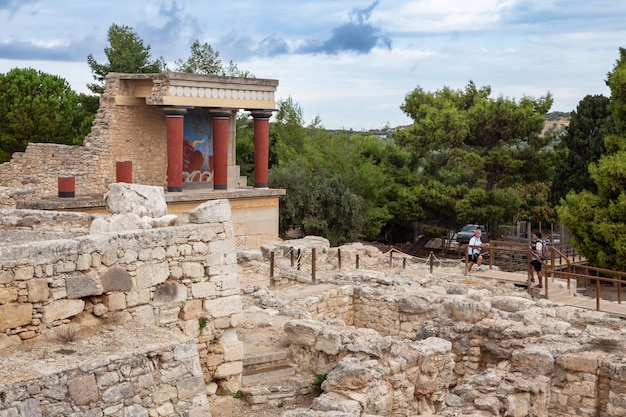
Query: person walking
(537, 248)
(473, 253)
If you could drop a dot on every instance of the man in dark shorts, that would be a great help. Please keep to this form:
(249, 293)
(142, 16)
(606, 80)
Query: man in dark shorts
(537, 247)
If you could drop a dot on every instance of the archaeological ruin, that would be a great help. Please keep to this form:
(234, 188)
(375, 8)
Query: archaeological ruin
(135, 298)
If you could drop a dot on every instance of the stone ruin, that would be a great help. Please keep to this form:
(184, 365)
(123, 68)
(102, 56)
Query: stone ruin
(136, 313)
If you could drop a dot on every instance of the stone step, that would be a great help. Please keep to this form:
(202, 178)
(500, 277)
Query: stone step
(279, 391)
(264, 375)
(264, 357)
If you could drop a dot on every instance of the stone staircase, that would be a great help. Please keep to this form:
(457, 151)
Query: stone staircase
(269, 378)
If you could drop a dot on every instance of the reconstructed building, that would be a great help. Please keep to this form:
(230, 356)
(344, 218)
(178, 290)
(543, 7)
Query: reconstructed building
(175, 130)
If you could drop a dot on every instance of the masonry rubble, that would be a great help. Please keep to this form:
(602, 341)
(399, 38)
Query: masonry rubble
(392, 341)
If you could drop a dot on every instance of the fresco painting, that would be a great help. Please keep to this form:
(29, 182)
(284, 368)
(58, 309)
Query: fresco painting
(197, 147)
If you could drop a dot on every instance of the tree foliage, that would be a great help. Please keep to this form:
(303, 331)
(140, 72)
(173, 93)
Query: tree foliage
(39, 107)
(473, 148)
(126, 53)
(583, 144)
(203, 59)
(596, 219)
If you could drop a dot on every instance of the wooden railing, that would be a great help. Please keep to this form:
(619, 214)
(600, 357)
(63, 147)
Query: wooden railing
(557, 265)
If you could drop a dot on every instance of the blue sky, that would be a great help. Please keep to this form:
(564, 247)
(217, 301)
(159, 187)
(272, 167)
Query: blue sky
(349, 62)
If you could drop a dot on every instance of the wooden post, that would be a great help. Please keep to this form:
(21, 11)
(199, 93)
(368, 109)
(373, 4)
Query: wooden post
(291, 255)
(338, 258)
(299, 253)
(404, 263)
(357, 261)
(597, 294)
(271, 268)
(432, 261)
(391, 258)
(313, 265)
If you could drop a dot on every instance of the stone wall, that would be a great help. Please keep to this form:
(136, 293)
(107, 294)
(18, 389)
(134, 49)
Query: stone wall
(503, 355)
(182, 278)
(126, 370)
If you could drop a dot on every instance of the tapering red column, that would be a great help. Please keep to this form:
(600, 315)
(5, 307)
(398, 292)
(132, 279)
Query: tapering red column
(175, 119)
(220, 149)
(261, 148)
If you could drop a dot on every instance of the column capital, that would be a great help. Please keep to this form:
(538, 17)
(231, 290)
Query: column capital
(262, 114)
(219, 113)
(175, 111)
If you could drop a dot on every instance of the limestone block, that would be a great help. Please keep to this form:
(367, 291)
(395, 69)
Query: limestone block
(169, 292)
(62, 309)
(149, 275)
(144, 315)
(212, 211)
(135, 298)
(203, 290)
(193, 270)
(191, 310)
(337, 404)
(229, 385)
(223, 306)
(114, 301)
(15, 315)
(24, 273)
(30, 407)
(462, 309)
(329, 341)
(163, 221)
(227, 369)
(142, 200)
(190, 387)
(116, 279)
(303, 332)
(532, 361)
(82, 286)
(119, 223)
(9, 341)
(233, 351)
(579, 362)
(83, 389)
(511, 304)
(8, 295)
(6, 277)
(491, 404)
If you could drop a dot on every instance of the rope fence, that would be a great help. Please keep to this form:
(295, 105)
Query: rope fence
(298, 258)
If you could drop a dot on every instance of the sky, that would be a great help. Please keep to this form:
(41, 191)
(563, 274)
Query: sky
(350, 63)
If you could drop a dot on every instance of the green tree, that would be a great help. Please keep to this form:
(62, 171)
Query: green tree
(596, 219)
(126, 53)
(39, 107)
(583, 144)
(204, 59)
(472, 148)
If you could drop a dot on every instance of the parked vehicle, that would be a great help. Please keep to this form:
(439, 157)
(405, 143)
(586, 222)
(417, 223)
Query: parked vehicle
(464, 235)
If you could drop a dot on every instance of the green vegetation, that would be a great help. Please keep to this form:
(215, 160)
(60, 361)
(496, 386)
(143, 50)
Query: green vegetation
(40, 107)
(238, 395)
(319, 380)
(126, 53)
(596, 215)
(202, 322)
(467, 157)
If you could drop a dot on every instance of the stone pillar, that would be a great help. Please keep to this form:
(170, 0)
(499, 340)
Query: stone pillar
(220, 148)
(124, 171)
(175, 118)
(261, 147)
(66, 187)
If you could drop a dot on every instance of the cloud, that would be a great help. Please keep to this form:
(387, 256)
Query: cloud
(14, 5)
(50, 51)
(356, 36)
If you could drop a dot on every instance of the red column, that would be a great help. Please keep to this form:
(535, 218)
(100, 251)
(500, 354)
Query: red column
(124, 171)
(261, 148)
(175, 120)
(220, 149)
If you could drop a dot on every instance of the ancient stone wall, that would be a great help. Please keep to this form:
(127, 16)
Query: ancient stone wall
(504, 354)
(182, 277)
(134, 132)
(120, 372)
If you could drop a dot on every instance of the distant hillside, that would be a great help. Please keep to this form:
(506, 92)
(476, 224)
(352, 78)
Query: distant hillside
(555, 123)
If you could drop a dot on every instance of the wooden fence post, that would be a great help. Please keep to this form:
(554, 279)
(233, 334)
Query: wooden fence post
(432, 261)
(313, 265)
(271, 268)
(298, 262)
(357, 261)
(291, 255)
(338, 258)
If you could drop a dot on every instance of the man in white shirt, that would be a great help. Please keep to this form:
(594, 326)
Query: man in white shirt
(473, 254)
